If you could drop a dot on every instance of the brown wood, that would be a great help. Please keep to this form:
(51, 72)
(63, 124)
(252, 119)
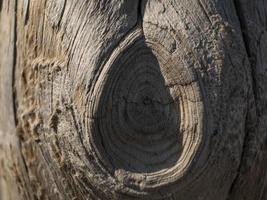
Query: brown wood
(133, 99)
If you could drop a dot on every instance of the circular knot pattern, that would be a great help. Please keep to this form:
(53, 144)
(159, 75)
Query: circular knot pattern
(146, 116)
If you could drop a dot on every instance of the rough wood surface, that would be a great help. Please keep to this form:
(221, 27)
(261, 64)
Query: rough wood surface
(133, 99)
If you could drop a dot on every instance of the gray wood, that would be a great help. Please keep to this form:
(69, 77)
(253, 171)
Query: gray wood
(133, 99)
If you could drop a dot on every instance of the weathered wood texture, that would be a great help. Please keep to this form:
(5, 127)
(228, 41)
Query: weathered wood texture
(133, 99)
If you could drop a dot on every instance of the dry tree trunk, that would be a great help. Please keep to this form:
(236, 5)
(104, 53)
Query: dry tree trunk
(133, 99)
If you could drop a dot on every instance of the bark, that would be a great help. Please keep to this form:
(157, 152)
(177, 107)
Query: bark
(133, 99)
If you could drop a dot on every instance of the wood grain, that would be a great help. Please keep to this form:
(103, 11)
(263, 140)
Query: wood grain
(144, 99)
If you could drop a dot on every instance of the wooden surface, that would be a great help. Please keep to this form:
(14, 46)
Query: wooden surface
(133, 99)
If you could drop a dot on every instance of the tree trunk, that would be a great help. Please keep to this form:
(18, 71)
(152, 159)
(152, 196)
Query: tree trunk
(133, 99)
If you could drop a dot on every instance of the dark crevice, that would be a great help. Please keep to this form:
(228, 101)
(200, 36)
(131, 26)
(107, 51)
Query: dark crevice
(62, 12)
(14, 66)
(138, 24)
(140, 12)
(27, 14)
